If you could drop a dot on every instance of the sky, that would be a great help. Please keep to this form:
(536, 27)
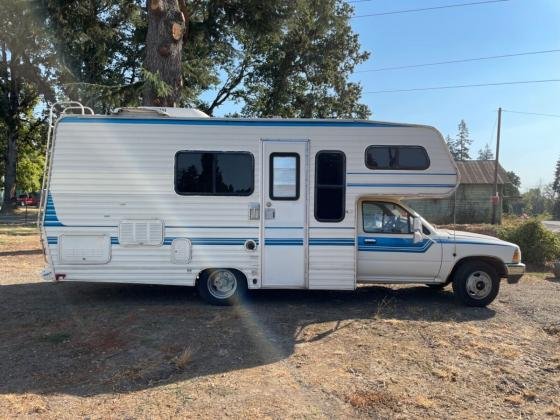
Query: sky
(530, 145)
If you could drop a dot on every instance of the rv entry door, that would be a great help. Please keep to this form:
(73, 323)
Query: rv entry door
(284, 213)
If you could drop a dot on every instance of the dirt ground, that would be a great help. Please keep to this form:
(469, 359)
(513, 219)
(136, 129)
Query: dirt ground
(123, 351)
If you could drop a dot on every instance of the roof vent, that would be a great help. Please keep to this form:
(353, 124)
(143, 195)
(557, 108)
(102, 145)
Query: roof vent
(163, 111)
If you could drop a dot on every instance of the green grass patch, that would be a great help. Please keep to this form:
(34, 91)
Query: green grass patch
(18, 230)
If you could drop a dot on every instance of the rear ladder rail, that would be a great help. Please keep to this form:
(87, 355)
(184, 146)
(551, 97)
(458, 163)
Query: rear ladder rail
(57, 110)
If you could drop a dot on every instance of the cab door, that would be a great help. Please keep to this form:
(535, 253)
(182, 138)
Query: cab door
(284, 218)
(387, 250)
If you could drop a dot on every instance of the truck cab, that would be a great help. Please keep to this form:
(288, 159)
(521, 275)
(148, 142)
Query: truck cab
(397, 245)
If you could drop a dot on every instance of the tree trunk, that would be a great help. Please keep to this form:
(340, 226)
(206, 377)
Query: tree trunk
(12, 126)
(10, 175)
(164, 42)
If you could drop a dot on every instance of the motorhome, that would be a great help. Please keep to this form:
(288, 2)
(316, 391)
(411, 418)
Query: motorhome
(171, 196)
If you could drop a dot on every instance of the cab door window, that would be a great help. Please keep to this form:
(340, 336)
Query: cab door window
(386, 218)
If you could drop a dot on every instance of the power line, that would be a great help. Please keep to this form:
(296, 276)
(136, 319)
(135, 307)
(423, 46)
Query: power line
(448, 6)
(533, 113)
(463, 60)
(522, 82)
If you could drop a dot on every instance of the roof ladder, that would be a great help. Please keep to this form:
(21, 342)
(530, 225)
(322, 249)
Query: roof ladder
(57, 110)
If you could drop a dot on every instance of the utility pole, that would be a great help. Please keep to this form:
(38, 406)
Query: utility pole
(496, 198)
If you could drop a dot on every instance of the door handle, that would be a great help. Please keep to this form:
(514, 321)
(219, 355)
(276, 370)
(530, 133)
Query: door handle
(370, 241)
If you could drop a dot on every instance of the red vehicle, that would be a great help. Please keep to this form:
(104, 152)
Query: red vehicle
(28, 200)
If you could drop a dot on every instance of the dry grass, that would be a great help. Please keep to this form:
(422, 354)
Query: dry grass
(372, 400)
(122, 351)
(184, 358)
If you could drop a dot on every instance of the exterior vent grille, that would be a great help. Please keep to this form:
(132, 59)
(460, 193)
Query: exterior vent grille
(141, 232)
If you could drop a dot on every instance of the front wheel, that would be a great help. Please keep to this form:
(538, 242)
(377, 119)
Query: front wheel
(476, 284)
(222, 286)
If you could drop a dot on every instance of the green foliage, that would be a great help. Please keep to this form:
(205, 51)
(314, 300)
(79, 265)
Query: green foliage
(303, 70)
(538, 245)
(556, 192)
(460, 145)
(100, 47)
(538, 201)
(27, 76)
(277, 57)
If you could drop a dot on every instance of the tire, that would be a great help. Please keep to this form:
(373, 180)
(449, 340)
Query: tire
(222, 286)
(437, 286)
(476, 284)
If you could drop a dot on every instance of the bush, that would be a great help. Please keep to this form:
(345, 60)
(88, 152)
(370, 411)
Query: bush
(538, 245)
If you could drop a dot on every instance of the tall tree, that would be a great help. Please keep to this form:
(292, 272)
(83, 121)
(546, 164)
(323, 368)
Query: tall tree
(556, 191)
(26, 75)
(230, 51)
(164, 47)
(303, 71)
(451, 144)
(462, 142)
(100, 48)
(485, 153)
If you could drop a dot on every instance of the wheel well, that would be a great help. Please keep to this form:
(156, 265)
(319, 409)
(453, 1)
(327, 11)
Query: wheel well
(206, 271)
(496, 263)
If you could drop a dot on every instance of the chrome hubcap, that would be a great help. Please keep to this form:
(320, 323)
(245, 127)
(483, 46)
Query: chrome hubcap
(222, 284)
(479, 285)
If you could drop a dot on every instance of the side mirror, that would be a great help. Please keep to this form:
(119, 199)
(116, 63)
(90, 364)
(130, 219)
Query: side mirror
(417, 230)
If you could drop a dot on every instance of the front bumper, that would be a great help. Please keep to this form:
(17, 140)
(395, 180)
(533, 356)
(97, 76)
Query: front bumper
(514, 272)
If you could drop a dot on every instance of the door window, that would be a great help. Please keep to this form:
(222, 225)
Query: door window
(380, 217)
(284, 176)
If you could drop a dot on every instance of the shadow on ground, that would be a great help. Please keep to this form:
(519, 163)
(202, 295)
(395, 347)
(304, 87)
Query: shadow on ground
(86, 339)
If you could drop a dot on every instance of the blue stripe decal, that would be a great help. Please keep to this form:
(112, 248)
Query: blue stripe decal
(283, 241)
(383, 244)
(50, 218)
(211, 227)
(213, 241)
(229, 123)
(402, 185)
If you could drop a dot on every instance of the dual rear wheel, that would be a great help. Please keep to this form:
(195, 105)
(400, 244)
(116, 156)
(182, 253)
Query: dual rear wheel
(222, 286)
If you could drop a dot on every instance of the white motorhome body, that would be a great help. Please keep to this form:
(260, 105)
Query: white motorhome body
(146, 198)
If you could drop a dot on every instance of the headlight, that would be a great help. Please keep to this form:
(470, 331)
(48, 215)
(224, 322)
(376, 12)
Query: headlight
(516, 256)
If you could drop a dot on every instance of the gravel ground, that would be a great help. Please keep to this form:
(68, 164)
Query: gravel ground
(105, 351)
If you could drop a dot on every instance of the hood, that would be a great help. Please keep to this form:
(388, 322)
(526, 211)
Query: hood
(475, 237)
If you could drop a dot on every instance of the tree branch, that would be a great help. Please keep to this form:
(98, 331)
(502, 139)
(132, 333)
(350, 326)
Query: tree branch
(227, 89)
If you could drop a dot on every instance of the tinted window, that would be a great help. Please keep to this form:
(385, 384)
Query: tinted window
(397, 157)
(214, 173)
(330, 186)
(332, 168)
(284, 176)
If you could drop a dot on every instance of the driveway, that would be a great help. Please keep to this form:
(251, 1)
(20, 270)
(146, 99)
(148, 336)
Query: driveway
(553, 225)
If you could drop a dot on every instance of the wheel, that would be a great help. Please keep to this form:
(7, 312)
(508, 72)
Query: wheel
(436, 286)
(222, 286)
(476, 284)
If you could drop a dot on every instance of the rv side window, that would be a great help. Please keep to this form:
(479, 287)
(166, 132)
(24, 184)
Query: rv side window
(330, 186)
(397, 157)
(214, 173)
(284, 176)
